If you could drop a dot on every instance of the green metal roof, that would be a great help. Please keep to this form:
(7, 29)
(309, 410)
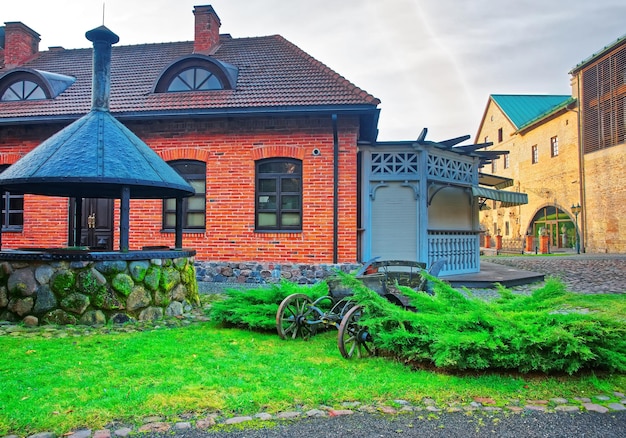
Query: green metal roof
(522, 109)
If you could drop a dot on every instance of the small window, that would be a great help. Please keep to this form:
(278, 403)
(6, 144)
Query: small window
(279, 195)
(507, 162)
(12, 209)
(494, 166)
(554, 146)
(535, 154)
(507, 228)
(23, 90)
(500, 135)
(194, 207)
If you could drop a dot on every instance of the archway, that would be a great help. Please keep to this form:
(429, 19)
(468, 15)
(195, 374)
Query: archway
(558, 225)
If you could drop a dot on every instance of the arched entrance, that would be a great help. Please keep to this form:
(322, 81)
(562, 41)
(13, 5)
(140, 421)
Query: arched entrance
(558, 225)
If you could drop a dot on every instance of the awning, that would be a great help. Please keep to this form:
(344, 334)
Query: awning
(508, 199)
(499, 182)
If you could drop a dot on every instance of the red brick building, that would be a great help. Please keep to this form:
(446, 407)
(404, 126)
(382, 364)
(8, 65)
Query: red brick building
(265, 134)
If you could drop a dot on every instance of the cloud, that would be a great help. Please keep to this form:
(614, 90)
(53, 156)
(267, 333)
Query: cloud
(433, 63)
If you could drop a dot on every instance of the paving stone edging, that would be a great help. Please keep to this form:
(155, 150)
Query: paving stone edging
(156, 424)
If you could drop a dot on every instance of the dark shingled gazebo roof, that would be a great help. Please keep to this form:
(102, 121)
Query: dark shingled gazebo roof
(96, 156)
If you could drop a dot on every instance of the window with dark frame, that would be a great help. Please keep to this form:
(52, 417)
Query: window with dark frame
(194, 74)
(278, 195)
(500, 135)
(195, 79)
(22, 90)
(194, 207)
(535, 154)
(12, 209)
(554, 146)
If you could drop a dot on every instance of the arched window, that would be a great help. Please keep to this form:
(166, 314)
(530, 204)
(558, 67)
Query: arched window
(12, 209)
(21, 84)
(279, 194)
(194, 207)
(194, 79)
(23, 90)
(197, 73)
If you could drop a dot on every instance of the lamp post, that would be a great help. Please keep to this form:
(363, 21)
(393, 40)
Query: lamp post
(576, 209)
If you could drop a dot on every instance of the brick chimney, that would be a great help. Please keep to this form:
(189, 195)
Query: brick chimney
(207, 29)
(20, 43)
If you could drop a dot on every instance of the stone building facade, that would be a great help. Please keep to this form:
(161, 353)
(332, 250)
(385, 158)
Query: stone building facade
(565, 151)
(542, 162)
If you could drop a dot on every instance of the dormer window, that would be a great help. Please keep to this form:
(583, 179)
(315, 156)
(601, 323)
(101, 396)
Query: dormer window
(197, 73)
(23, 90)
(193, 79)
(30, 84)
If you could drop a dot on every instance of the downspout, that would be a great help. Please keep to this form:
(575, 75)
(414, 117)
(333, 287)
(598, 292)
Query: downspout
(582, 231)
(2, 192)
(335, 189)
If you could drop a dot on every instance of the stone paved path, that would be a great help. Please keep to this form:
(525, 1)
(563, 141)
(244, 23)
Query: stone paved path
(584, 273)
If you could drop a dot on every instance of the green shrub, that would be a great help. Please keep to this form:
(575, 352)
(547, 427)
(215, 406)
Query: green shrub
(546, 331)
(540, 332)
(256, 309)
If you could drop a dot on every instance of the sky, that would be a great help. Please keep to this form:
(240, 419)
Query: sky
(432, 63)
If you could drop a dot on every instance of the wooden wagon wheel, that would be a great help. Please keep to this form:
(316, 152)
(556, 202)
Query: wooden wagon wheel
(352, 337)
(293, 316)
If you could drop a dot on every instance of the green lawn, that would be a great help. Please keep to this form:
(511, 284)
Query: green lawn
(62, 384)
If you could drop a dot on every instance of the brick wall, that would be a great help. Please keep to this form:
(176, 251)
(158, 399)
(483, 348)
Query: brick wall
(229, 148)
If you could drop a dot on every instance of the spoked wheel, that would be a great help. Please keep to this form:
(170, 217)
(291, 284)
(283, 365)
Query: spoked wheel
(293, 316)
(353, 338)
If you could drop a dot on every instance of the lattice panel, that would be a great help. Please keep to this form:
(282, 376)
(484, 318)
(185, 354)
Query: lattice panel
(449, 170)
(394, 163)
(604, 102)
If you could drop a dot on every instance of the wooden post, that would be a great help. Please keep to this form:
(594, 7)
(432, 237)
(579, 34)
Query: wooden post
(178, 238)
(124, 218)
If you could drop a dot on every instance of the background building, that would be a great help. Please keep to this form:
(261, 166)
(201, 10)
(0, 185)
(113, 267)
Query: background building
(568, 154)
(540, 134)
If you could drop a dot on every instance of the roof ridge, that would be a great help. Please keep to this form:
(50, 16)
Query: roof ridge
(530, 95)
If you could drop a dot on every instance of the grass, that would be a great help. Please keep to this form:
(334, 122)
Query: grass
(63, 384)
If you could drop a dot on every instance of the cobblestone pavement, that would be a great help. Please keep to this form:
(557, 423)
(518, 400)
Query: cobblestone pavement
(584, 273)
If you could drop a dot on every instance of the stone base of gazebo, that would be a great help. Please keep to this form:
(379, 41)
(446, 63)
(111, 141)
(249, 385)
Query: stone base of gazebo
(74, 286)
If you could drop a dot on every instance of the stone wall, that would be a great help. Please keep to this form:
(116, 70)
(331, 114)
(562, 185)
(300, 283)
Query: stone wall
(255, 274)
(604, 210)
(96, 292)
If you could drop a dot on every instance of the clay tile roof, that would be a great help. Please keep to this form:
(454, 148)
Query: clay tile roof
(273, 73)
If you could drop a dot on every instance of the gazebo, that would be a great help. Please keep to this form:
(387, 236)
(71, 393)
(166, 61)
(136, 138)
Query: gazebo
(96, 157)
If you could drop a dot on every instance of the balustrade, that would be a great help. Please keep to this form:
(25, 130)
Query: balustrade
(459, 248)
